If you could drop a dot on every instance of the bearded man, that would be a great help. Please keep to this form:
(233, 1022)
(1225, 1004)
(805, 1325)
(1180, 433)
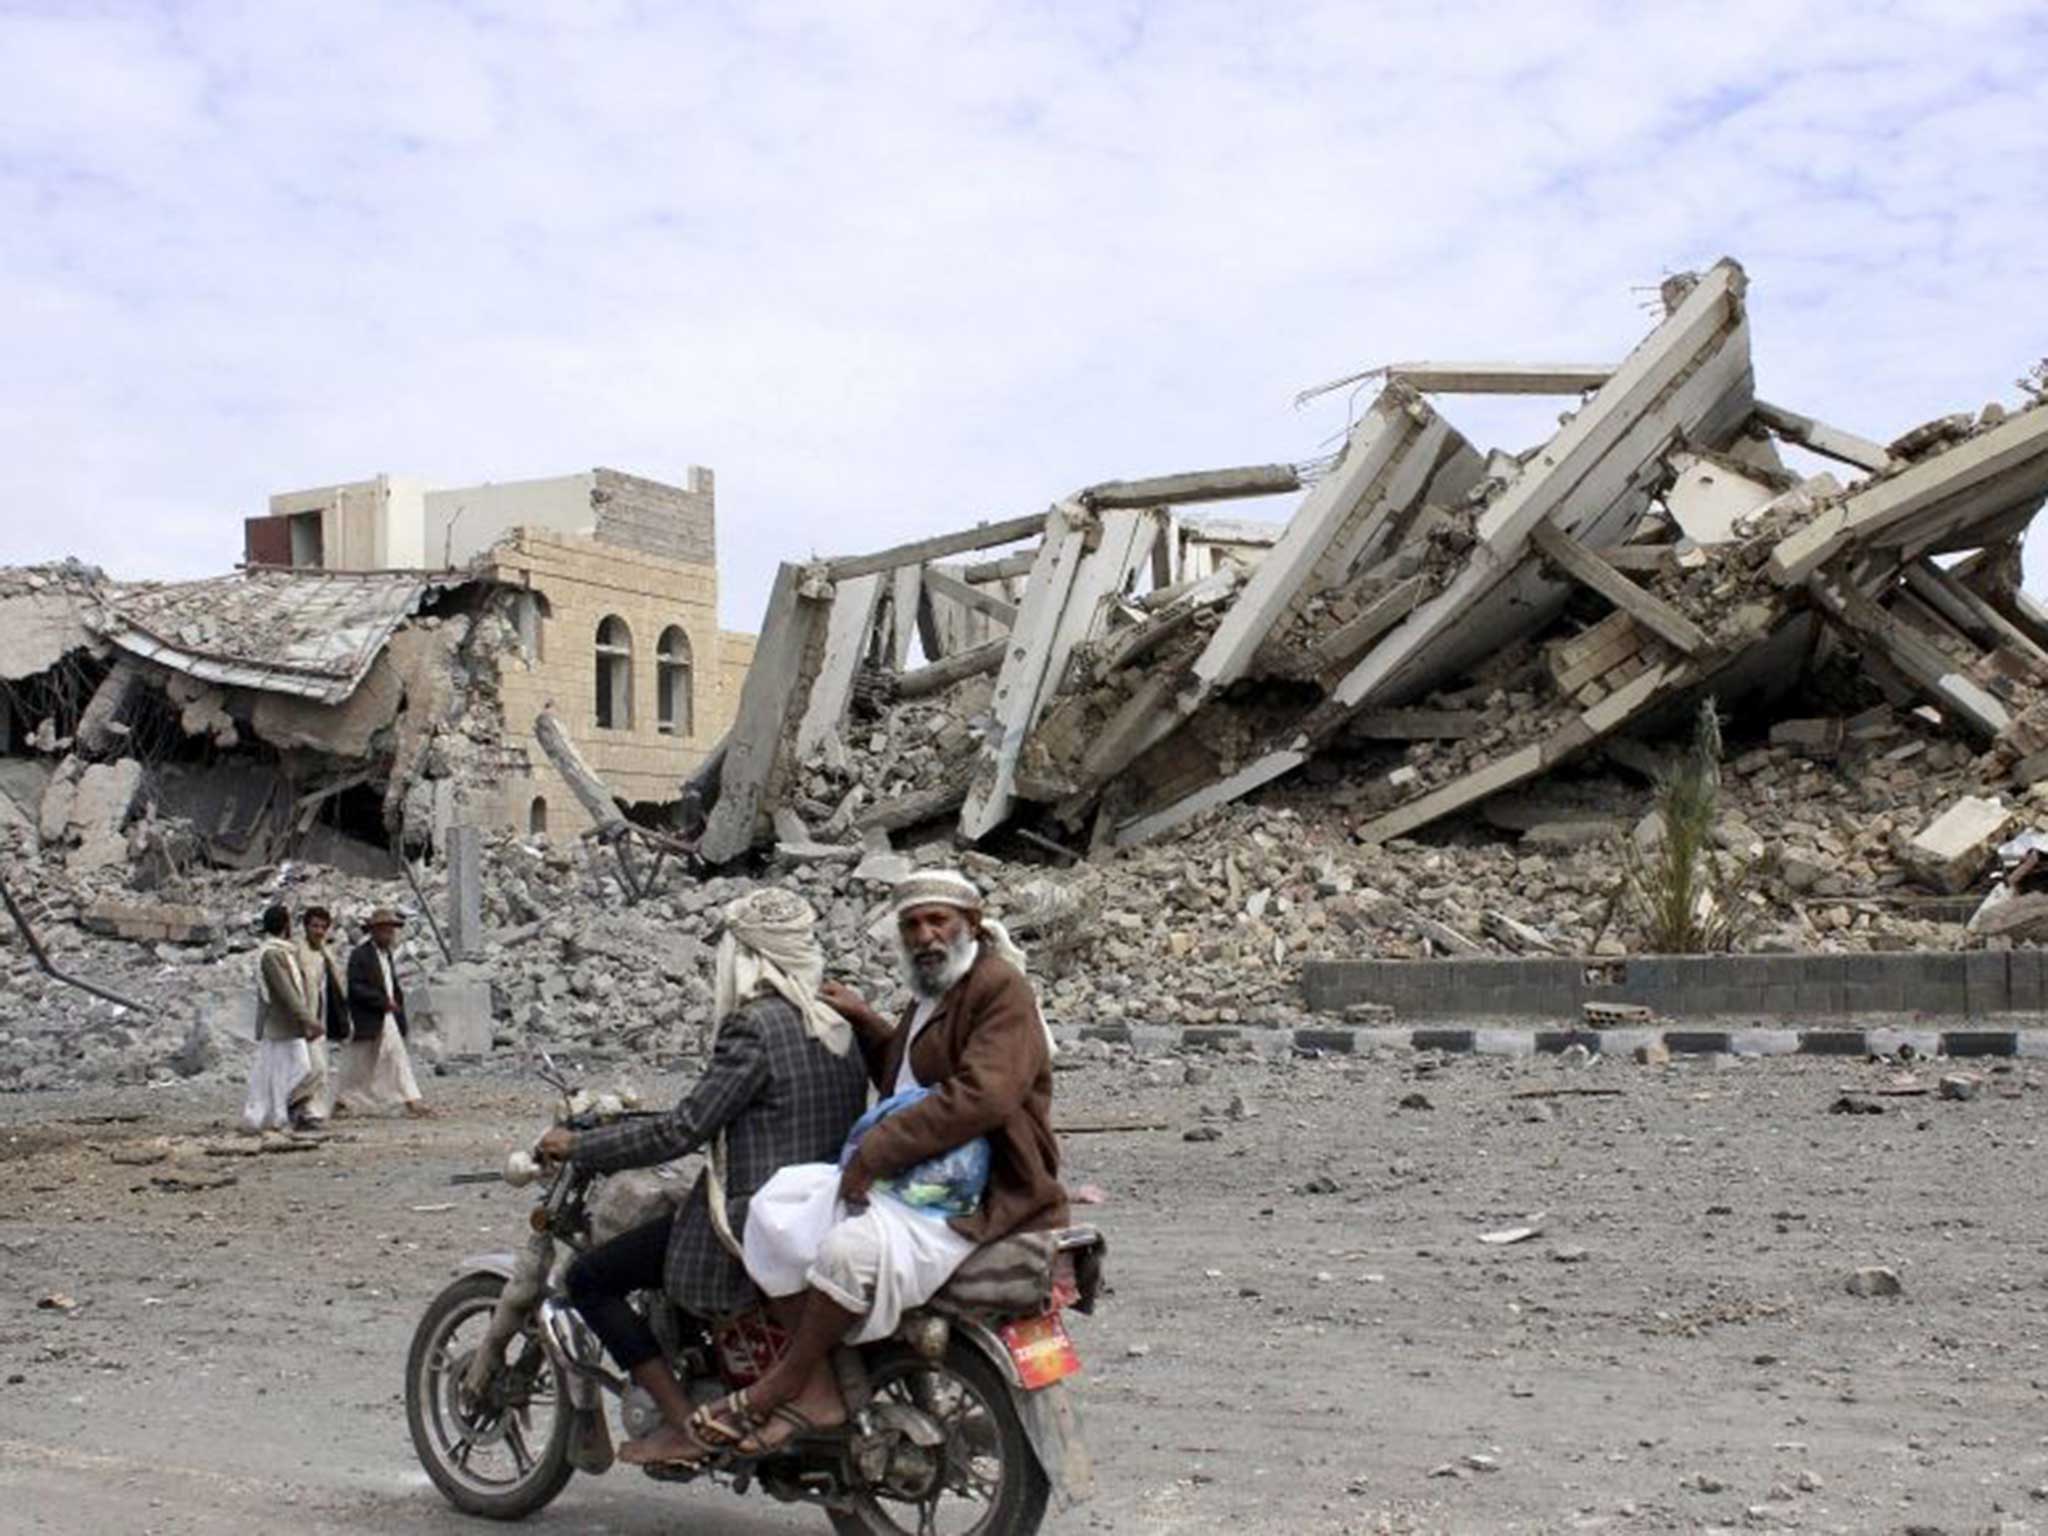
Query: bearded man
(784, 1085)
(973, 1036)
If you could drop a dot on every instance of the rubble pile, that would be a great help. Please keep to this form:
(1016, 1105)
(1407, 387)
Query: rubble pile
(1186, 753)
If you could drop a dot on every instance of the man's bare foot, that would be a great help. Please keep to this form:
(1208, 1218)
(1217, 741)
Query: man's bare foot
(668, 1446)
(419, 1109)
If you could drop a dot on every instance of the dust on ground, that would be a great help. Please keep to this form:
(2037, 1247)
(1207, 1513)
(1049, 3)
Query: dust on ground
(1307, 1333)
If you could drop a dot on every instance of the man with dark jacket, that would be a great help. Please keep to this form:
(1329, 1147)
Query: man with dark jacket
(376, 1071)
(784, 1085)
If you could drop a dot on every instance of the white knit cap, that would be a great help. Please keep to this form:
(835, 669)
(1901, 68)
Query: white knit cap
(936, 888)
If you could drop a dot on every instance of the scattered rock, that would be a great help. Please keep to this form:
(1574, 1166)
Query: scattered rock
(1962, 1086)
(1201, 1133)
(1416, 1100)
(1874, 1280)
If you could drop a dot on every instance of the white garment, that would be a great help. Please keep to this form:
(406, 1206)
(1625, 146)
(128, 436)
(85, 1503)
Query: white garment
(376, 1074)
(905, 1078)
(315, 1091)
(279, 1067)
(881, 1261)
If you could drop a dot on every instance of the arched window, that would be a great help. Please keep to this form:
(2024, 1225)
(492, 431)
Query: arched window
(614, 675)
(537, 816)
(675, 708)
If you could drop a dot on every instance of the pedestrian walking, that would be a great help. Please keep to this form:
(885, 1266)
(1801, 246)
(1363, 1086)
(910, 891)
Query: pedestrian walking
(313, 1099)
(376, 1070)
(284, 1023)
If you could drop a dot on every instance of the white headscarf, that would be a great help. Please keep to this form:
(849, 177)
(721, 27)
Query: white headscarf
(770, 944)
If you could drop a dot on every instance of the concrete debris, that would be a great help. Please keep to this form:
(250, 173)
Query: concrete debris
(1436, 630)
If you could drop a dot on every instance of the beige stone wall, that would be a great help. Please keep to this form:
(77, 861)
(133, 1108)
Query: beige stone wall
(583, 582)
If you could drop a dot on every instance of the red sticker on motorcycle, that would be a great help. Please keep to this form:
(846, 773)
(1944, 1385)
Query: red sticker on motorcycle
(1041, 1350)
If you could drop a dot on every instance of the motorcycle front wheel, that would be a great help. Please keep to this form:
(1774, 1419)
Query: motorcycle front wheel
(988, 1483)
(501, 1454)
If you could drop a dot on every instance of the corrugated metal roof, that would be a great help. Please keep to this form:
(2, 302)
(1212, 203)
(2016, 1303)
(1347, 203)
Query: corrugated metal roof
(310, 633)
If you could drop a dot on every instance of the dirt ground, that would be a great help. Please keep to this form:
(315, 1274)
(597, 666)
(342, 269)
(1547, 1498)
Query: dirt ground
(1308, 1333)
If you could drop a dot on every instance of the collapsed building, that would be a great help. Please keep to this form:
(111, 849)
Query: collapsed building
(1186, 752)
(1446, 625)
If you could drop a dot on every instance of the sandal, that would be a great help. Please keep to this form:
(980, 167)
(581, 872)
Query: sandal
(723, 1426)
(799, 1422)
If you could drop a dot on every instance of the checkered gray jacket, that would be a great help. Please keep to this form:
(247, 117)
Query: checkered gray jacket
(780, 1097)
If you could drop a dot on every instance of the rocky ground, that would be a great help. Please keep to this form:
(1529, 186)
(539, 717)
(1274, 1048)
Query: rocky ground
(1309, 1333)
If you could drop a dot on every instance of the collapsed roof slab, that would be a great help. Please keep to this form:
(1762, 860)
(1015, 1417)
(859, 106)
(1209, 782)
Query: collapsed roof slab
(1400, 453)
(1689, 381)
(2004, 466)
(38, 630)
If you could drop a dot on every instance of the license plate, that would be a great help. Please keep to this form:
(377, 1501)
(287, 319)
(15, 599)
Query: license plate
(1041, 1350)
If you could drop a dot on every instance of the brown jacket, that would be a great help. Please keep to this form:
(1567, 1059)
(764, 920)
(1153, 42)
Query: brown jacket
(983, 1055)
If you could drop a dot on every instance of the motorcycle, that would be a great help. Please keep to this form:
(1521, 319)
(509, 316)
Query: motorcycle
(960, 1424)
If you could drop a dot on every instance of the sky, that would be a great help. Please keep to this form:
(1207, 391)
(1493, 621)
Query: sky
(892, 268)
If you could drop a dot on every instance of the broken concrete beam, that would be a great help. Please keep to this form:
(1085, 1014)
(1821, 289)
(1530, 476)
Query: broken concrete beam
(1021, 681)
(1689, 380)
(1950, 852)
(1917, 658)
(952, 587)
(1194, 487)
(1817, 738)
(102, 728)
(597, 801)
(772, 700)
(1008, 568)
(2008, 463)
(1501, 378)
(924, 551)
(847, 630)
(906, 593)
(924, 682)
(913, 809)
(1963, 608)
(1646, 608)
(150, 922)
(1829, 442)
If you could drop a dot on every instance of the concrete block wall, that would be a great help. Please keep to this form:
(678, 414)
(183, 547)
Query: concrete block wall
(658, 519)
(1808, 988)
(584, 581)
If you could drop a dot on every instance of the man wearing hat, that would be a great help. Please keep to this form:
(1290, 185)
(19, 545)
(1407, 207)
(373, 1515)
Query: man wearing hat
(973, 1036)
(376, 1071)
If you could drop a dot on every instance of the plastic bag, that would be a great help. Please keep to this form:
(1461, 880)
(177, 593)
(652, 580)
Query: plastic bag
(950, 1184)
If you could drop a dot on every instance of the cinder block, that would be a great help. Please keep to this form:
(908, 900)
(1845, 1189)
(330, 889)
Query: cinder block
(1986, 988)
(1339, 1042)
(1442, 1039)
(1937, 984)
(1833, 1042)
(1980, 1042)
(1696, 1042)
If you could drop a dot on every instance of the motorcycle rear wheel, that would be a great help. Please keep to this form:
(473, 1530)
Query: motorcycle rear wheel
(448, 1431)
(990, 1463)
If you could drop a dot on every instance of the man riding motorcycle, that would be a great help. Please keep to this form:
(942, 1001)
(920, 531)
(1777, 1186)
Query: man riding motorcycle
(974, 1042)
(784, 1085)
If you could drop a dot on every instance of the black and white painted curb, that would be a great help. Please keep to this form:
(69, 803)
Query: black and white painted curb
(1750, 1040)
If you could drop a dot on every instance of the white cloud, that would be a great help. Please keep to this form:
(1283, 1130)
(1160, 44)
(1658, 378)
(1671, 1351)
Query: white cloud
(890, 267)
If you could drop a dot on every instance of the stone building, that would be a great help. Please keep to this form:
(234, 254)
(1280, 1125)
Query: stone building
(620, 631)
